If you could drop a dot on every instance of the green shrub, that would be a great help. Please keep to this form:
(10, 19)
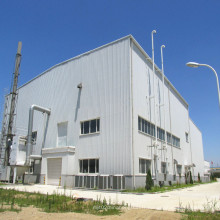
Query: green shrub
(199, 179)
(149, 181)
(190, 177)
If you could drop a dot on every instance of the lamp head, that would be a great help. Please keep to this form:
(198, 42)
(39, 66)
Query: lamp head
(154, 32)
(193, 64)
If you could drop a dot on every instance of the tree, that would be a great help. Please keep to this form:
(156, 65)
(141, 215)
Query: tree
(190, 177)
(199, 179)
(149, 181)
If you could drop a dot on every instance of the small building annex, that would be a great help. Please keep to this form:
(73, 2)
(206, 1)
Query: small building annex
(94, 119)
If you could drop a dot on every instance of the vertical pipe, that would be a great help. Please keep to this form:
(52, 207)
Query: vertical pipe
(164, 109)
(155, 117)
(171, 130)
(132, 117)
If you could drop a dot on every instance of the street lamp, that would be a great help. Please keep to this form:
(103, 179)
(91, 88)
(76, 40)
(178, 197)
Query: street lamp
(193, 64)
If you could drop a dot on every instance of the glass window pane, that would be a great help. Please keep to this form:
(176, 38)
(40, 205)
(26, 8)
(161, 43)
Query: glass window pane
(86, 127)
(98, 125)
(139, 123)
(153, 130)
(92, 166)
(142, 125)
(142, 166)
(80, 166)
(85, 166)
(163, 167)
(82, 128)
(97, 165)
(148, 165)
(62, 134)
(34, 137)
(93, 126)
(145, 127)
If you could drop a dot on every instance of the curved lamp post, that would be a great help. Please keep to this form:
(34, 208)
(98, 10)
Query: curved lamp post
(193, 64)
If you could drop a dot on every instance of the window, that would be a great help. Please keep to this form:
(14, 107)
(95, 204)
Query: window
(89, 166)
(62, 134)
(163, 167)
(169, 138)
(179, 169)
(176, 141)
(160, 134)
(146, 127)
(34, 137)
(90, 127)
(144, 165)
(31, 168)
(187, 137)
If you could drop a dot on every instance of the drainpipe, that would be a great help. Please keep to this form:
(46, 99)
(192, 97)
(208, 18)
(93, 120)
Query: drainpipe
(155, 97)
(30, 127)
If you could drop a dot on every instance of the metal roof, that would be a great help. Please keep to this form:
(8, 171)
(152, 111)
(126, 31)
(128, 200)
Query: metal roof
(105, 45)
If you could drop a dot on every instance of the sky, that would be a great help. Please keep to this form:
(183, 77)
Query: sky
(54, 31)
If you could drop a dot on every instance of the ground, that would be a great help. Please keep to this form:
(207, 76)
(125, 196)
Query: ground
(129, 214)
(205, 197)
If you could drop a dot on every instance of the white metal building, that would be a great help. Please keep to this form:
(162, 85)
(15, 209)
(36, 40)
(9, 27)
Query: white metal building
(101, 128)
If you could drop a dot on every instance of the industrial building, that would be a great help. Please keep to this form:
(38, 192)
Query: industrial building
(92, 121)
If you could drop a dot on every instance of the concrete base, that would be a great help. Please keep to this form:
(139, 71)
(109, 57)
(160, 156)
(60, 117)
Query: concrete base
(110, 182)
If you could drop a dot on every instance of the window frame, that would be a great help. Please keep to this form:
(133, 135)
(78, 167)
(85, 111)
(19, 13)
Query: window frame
(60, 123)
(163, 163)
(82, 123)
(34, 137)
(179, 166)
(146, 127)
(145, 165)
(88, 164)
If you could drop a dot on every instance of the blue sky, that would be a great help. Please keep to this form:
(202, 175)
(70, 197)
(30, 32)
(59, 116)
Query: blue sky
(53, 31)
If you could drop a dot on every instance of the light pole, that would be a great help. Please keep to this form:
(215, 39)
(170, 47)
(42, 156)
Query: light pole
(193, 64)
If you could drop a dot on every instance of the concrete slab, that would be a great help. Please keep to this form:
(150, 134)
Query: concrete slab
(202, 197)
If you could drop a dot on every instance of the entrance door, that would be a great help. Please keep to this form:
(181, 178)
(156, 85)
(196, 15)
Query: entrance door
(54, 166)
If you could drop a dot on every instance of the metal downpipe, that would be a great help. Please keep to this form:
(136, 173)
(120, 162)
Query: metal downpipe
(30, 127)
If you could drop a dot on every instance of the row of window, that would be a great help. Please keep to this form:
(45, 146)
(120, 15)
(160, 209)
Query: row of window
(149, 128)
(146, 126)
(92, 166)
(93, 126)
(145, 165)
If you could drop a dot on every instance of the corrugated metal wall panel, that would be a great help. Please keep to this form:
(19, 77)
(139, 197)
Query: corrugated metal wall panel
(144, 106)
(105, 78)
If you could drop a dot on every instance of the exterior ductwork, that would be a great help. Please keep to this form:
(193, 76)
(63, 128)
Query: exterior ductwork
(30, 127)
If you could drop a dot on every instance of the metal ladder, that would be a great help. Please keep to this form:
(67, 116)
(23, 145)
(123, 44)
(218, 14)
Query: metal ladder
(4, 131)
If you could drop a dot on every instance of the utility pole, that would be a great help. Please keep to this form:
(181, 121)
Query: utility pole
(13, 94)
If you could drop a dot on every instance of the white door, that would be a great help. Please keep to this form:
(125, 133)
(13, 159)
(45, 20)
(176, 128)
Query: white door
(54, 166)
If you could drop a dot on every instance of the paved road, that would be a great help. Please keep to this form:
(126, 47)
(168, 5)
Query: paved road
(200, 197)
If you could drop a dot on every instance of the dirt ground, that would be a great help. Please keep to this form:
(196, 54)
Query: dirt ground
(128, 214)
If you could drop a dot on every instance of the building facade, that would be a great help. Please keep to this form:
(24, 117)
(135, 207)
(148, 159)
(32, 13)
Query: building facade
(106, 107)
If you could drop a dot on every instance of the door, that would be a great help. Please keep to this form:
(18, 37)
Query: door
(54, 166)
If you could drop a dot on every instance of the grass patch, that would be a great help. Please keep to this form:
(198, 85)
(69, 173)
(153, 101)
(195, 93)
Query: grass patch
(190, 215)
(162, 189)
(54, 203)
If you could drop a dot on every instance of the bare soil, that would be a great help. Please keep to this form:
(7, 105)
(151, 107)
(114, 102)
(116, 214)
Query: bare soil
(128, 214)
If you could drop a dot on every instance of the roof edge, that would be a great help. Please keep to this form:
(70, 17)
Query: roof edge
(158, 69)
(103, 46)
(76, 57)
